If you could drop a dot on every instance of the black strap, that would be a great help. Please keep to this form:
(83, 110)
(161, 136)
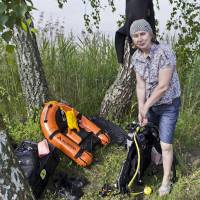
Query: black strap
(54, 134)
(74, 130)
(45, 118)
(83, 161)
(79, 116)
(79, 153)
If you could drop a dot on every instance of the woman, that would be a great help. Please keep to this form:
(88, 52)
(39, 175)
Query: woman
(158, 90)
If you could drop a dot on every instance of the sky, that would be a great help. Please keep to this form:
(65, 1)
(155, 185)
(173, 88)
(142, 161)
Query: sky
(71, 15)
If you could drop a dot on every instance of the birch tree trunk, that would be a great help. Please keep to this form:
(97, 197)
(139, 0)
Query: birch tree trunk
(13, 184)
(118, 97)
(31, 73)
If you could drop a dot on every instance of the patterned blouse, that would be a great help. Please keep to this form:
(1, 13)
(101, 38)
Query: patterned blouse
(160, 57)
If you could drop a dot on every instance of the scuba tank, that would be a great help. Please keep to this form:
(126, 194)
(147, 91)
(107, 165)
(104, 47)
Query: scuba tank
(140, 141)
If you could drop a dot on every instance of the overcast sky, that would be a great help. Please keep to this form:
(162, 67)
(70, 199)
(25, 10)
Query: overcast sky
(72, 15)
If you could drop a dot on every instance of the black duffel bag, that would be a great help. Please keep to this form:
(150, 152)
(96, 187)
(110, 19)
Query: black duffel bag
(36, 170)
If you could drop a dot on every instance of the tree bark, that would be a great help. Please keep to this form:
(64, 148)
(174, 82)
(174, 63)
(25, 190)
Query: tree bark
(13, 184)
(118, 97)
(31, 73)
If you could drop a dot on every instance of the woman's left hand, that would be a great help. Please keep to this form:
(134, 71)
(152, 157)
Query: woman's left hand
(144, 110)
(142, 117)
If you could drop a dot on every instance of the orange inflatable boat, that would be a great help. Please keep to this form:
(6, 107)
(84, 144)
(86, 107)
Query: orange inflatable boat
(67, 129)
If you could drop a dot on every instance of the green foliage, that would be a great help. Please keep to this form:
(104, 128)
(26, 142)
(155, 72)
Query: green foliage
(61, 2)
(10, 48)
(7, 35)
(11, 99)
(2, 93)
(25, 130)
(121, 21)
(185, 19)
(94, 16)
(189, 124)
(190, 94)
(12, 14)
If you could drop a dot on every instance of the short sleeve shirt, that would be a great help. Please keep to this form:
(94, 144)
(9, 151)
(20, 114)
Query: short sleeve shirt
(160, 57)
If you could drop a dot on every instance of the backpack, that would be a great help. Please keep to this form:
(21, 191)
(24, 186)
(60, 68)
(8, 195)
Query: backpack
(146, 138)
(36, 170)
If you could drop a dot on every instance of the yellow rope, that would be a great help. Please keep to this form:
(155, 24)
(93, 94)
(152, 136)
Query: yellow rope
(138, 154)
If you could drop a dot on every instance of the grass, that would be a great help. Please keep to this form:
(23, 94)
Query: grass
(80, 71)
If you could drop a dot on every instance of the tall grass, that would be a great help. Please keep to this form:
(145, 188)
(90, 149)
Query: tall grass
(11, 98)
(78, 71)
(188, 127)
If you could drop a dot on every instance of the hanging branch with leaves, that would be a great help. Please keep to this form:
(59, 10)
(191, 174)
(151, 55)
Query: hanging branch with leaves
(185, 19)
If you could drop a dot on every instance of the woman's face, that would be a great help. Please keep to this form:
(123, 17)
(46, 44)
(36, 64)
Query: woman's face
(142, 40)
